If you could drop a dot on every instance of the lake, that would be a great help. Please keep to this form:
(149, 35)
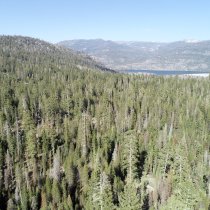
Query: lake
(168, 72)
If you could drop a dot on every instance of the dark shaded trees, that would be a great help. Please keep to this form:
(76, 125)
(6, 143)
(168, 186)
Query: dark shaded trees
(76, 138)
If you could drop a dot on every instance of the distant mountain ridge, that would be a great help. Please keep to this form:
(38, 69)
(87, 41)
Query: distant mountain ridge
(180, 55)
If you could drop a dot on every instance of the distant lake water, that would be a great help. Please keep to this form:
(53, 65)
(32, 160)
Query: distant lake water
(168, 72)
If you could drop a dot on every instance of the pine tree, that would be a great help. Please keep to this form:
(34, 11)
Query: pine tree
(100, 196)
(130, 153)
(30, 134)
(129, 199)
(56, 192)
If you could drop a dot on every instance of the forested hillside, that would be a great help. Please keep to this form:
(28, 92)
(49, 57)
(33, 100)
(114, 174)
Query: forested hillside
(24, 54)
(74, 137)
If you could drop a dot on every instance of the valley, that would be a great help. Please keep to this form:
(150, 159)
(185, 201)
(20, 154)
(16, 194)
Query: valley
(180, 55)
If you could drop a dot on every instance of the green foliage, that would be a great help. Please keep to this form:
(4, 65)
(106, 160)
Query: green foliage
(130, 154)
(129, 199)
(76, 138)
(100, 196)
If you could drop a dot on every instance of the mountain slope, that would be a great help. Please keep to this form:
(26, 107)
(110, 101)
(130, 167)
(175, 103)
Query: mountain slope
(19, 53)
(182, 55)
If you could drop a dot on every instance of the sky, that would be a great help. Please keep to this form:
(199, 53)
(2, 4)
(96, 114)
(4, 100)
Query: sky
(120, 20)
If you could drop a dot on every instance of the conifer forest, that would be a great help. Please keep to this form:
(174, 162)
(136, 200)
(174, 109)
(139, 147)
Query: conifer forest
(75, 135)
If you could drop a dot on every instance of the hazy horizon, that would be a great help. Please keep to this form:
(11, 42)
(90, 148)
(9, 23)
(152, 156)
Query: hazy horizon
(148, 21)
(89, 39)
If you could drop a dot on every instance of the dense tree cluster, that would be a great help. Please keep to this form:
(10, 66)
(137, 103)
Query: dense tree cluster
(77, 138)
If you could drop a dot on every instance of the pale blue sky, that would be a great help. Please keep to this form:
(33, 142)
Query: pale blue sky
(134, 20)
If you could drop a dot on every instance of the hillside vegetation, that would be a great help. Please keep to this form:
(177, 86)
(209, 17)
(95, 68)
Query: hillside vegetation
(72, 137)
(24, 54)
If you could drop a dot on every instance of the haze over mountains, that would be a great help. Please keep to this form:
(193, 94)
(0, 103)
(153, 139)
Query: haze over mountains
(180, 55)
